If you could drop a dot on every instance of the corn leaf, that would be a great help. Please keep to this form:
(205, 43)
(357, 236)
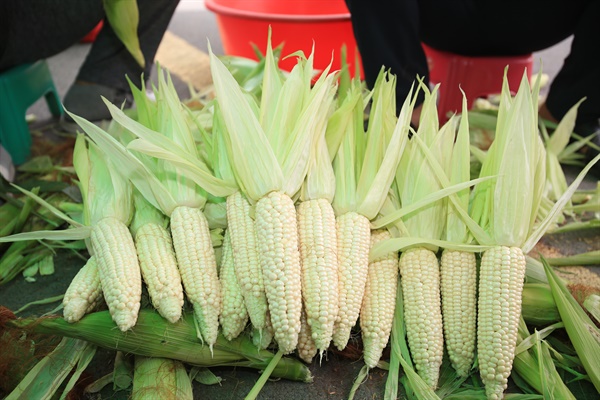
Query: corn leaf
(403, 243)
(136, 171)
(123, 16)
(82, 363)
(82, 232)
(44, 380)
(583, 333)
(261, 173)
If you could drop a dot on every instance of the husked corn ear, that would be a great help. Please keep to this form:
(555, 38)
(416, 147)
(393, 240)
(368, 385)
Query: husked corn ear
(277, 234)
(307, 348)
(354, 239)
(458, 272)
(245, 256)
(262, 338)
(198, 268)
(501, 278)
(420, 279)
(84, 292)
(318, 258)
(118, 269)
(377, 311)
(159, 270)
(234, 315)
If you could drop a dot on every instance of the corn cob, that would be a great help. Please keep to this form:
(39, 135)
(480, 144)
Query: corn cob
(420, 279)
(198, 268)
(307, 349)
(277, 234)
(118, 269)
(377, 311)
(262, 338)
(234, 315)
(318, 255)
(84, 292)
(242, 233)
(159, 269)
(458, 272)
(500, 288)
(353, 236)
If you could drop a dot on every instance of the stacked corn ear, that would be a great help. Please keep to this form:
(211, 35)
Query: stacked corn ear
(234, 316)
(157, 259)
(318, 246)
(377, 310)
(364, 167)
(458, 268)
(84, 292)
(163, 184)
(353, 233)
(419, 265)
(276, 172)
(508, 214)
(242, 233)
(108, 198)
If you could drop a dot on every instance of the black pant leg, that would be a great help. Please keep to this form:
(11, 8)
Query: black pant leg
(109, 61)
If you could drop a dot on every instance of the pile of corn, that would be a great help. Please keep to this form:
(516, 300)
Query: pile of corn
(278, 212)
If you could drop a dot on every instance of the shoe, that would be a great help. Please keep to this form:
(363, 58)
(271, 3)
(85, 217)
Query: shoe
(85, 100)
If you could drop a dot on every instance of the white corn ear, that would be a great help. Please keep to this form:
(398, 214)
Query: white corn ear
(420, 279)
(198, 268)
(245, 256)
(84, 292)
(458, 272)
(118, 269)
(234, 315)
(307, 349)
(501, 277)
(354, 240)
(377, 311)
(318, 255)
(159, 270)
(277, 234)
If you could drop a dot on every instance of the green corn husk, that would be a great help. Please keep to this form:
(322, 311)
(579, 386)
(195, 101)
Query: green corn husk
(153, 336)
(583, 333)
(69, 359)
(122, 372)
(592, 305)
(160, 378)
(536, 366)
(538, 306)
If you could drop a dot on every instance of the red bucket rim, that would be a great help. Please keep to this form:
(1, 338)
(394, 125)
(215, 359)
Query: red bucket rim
(220, 9)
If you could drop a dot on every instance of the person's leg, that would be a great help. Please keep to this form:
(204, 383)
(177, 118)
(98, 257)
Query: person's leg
(108, 61)
(104, 71)
(580, 75)
(36, 29)
(387, 34)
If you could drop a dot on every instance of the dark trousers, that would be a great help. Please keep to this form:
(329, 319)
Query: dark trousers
(390, 32)
(31, 30)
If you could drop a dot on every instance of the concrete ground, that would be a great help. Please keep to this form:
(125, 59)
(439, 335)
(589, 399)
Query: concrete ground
(188, 32)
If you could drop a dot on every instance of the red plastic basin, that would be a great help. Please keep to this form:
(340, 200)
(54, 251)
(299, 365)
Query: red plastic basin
(297, 23)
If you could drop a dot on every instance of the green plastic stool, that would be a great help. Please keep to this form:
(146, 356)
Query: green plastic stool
(20, 87)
